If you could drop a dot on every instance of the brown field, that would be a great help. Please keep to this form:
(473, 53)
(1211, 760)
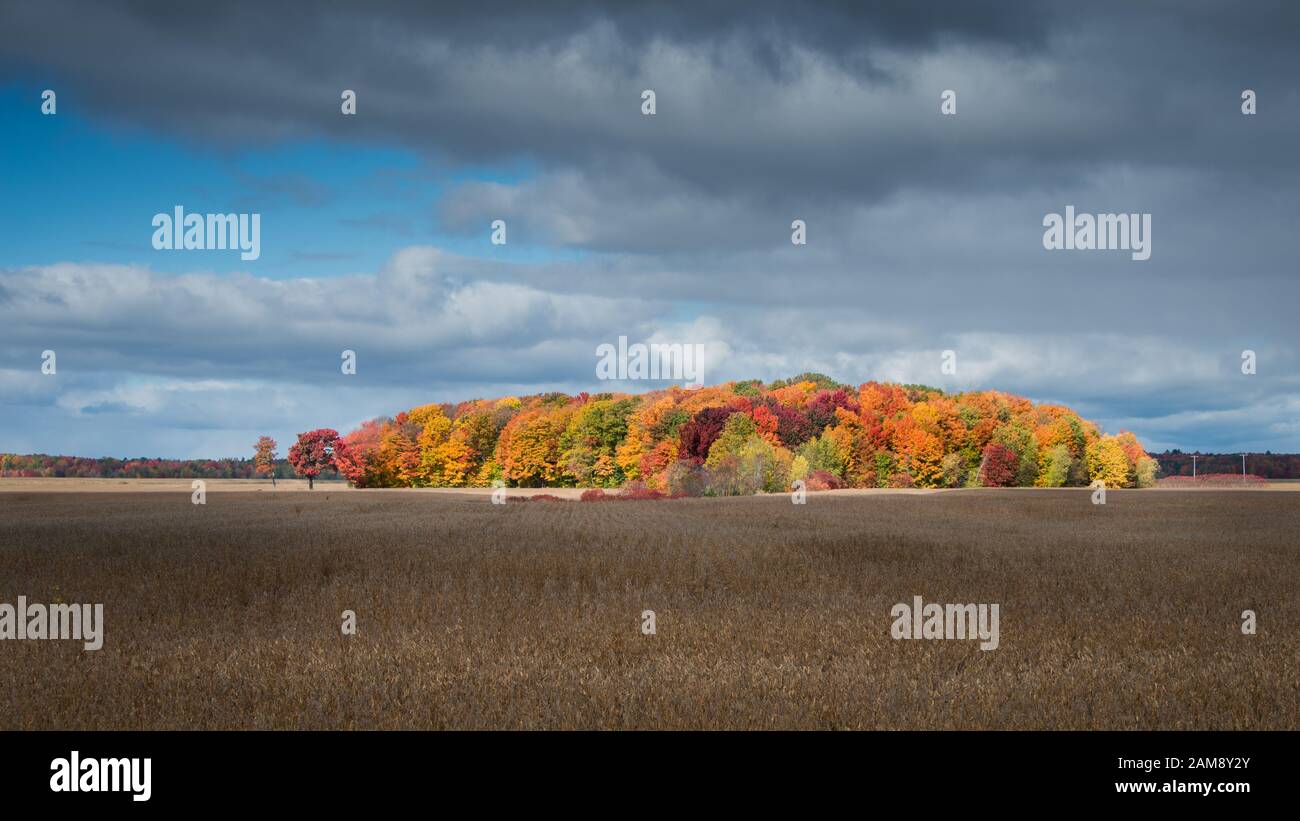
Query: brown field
(769, 615)
(53, 485)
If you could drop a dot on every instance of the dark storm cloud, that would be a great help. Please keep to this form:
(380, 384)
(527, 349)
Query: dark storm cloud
(791, 103)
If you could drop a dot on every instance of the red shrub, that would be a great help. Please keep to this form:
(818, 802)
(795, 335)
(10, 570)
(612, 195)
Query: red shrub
(638, 490)
(823, 480)
(904, 479)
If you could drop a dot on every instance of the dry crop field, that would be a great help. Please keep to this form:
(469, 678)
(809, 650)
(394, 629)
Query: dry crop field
(768, 614)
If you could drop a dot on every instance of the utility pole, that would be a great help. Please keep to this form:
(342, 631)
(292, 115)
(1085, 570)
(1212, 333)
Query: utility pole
(1243, 468)
(1193, 465)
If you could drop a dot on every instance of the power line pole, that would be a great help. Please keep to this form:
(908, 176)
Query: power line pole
(1193, 465)
(1243, 468)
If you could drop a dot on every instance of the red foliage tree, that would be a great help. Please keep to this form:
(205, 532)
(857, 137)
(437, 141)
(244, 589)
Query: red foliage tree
(699, 434)
(313, 453)
(821, 408)
(357, 455)
(998, 469)
(792, 426)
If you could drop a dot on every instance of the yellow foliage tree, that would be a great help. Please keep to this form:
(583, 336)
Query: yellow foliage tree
(435, 428)
(1107, 462)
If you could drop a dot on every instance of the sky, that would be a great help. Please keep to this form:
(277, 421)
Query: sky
(924, 229)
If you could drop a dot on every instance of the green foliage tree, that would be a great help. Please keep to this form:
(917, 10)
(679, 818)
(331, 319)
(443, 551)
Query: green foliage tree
(736, 431)
(821, 380)
(587, 446)
(1057, 471)
(821, 454)
(954, 470)
(1146, 471)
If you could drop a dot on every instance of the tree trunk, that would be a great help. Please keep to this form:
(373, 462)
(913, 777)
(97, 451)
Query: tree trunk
(311, 483)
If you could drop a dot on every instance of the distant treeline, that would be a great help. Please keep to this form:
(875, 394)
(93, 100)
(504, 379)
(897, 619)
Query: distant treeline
(1267, 465)
(40, 464)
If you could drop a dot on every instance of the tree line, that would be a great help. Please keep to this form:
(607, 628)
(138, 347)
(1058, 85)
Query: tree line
(1267, 465)
(35, 465)
(736, 438)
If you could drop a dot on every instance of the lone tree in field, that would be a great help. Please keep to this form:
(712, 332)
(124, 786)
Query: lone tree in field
(313, 452)
(264, 458)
